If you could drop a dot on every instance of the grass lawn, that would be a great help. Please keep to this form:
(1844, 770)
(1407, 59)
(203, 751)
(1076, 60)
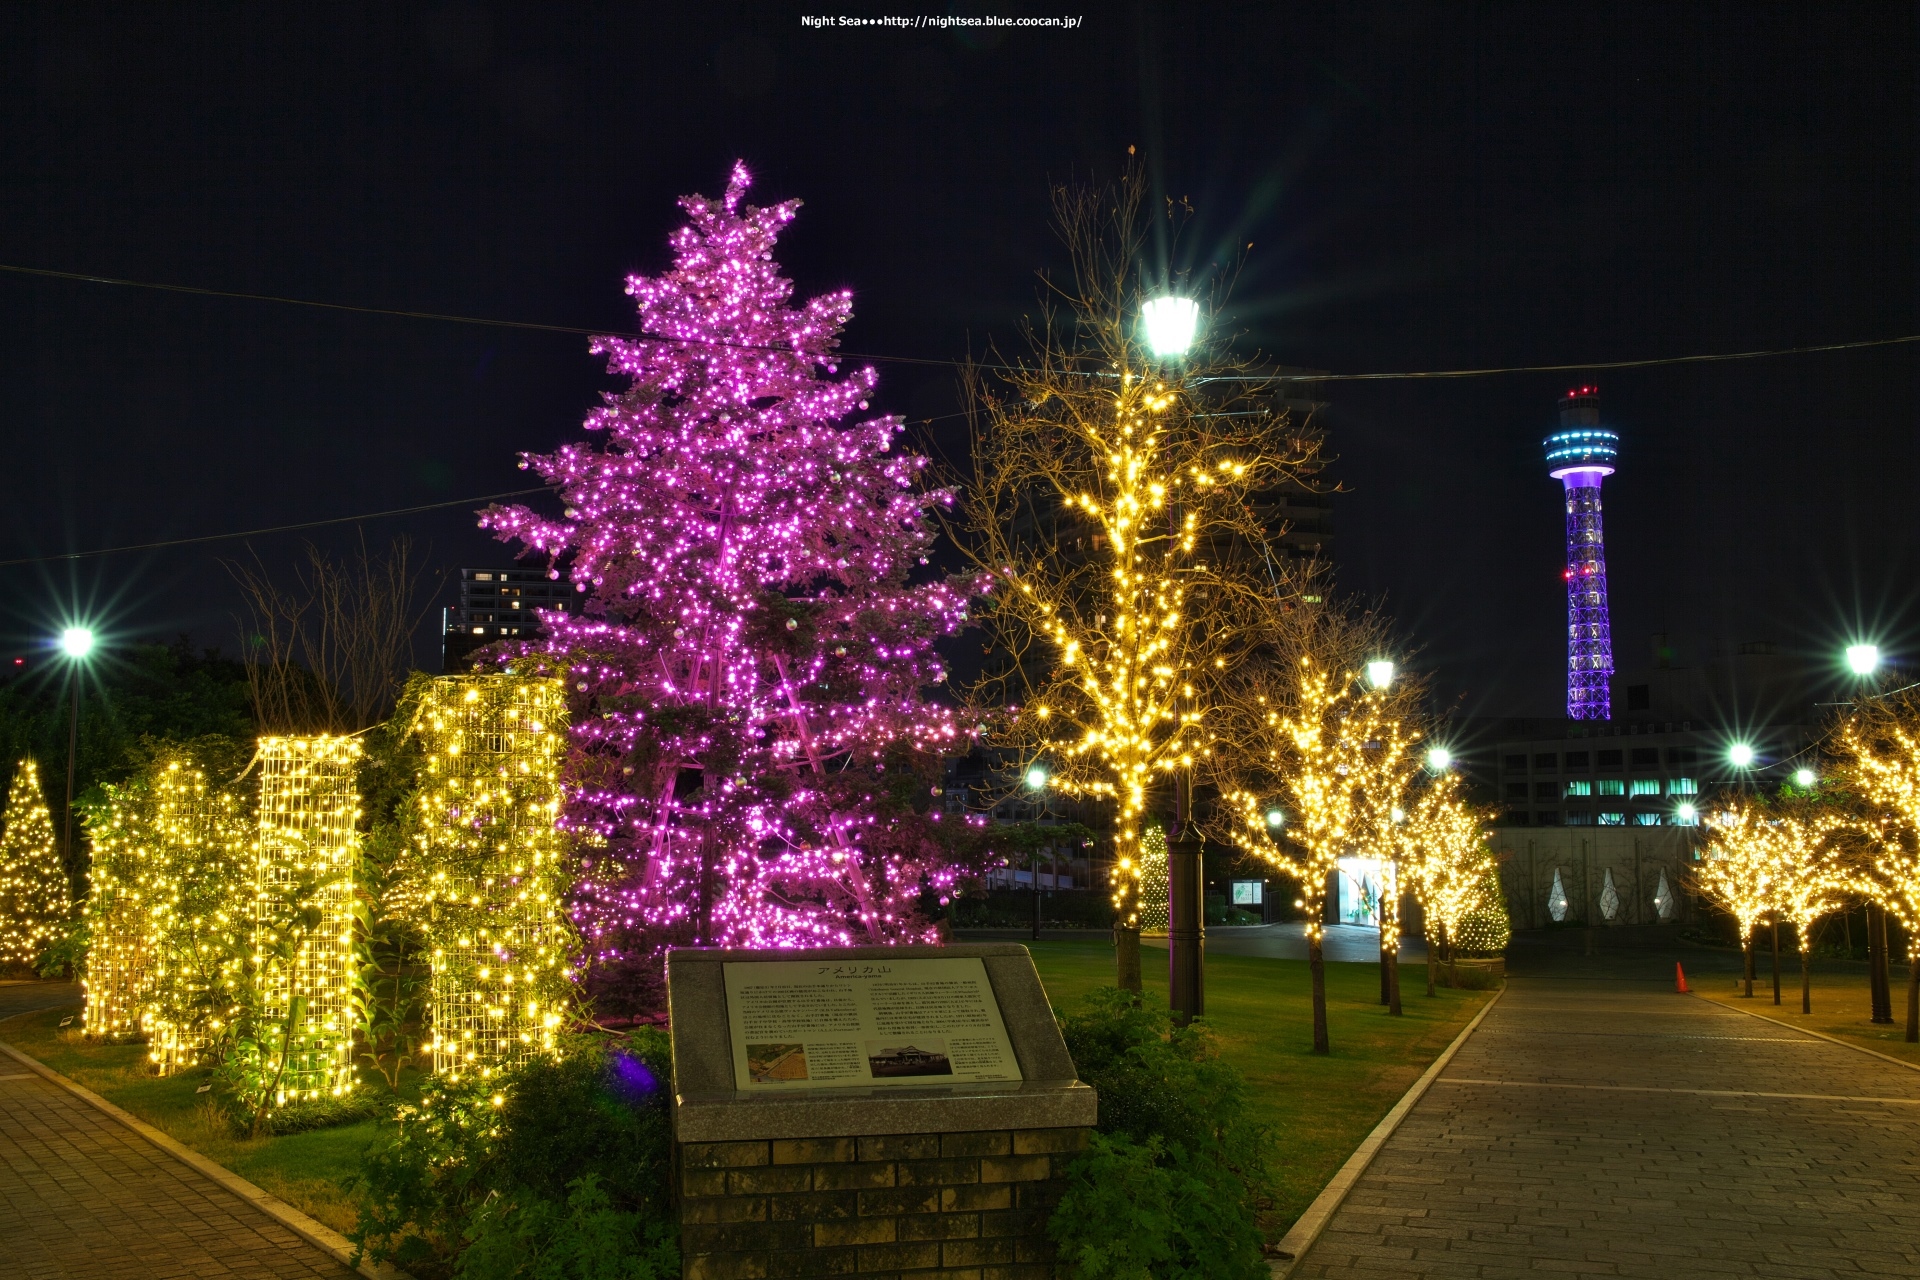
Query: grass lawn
(1262, 1012)
(1841, 1007)
(304, 1169)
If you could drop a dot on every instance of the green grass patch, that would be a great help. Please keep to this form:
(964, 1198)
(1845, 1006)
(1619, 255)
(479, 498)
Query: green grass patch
(1262, 1012)
(1842, 1006)
(304, 1169)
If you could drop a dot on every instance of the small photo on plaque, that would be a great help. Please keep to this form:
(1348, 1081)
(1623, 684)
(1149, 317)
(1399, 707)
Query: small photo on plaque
(776, 1063)
(887, 1059)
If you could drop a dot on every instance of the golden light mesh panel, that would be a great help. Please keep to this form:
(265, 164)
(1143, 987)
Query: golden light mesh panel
(494, 880)
(118, 970)
(199, 906)
(1153, 880)
(303, 911)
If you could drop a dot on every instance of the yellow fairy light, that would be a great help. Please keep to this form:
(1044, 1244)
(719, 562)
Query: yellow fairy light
(202, 852)
(1788, 857)
(35, 897)
(303, 913)
(491, 877)
(117, 976)
(1152, 877)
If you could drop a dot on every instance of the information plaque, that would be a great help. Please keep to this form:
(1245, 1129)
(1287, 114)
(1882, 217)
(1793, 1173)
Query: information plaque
(822, 1024)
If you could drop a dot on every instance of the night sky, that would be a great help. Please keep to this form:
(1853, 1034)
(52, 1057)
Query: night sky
(1424, 188)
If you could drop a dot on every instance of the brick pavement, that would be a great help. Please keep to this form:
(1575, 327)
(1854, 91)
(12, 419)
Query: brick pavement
(82, 1197)
(1607, 1128)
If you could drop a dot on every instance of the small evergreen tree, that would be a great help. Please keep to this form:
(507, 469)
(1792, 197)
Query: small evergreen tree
(35, 901)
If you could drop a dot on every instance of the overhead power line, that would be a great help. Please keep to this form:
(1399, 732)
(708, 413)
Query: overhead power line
(1583, 366)
(278, 528)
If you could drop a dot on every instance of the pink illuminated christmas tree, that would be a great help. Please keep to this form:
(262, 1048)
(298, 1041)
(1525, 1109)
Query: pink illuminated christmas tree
(749, 662)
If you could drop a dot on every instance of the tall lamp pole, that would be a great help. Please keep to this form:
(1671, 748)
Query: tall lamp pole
(1037, 782)
(76, 643)
(1171, 323)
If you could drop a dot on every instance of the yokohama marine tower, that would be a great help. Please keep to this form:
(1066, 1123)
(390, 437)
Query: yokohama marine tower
(1580, 455)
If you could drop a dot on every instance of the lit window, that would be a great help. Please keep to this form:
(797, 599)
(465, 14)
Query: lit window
(479, 631)
(1579, 819)
(1612, 819)
(1612, 787)
(1646, 819)
(1645, 787)
(1682, 787)
(1580, 788)
(483, 577)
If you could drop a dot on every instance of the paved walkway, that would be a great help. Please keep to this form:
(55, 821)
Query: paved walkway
(82, 1197)
(1596, 1127)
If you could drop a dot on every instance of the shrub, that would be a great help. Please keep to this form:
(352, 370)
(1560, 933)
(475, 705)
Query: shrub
(558, 1170)
(1169, 1186)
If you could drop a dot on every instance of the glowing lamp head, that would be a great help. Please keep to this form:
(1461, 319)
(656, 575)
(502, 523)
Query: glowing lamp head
(1275, 818)
(1686, 813)
(1439, 759)
(76, 642)
(1863, 659)
(1170, 323)
(1399, 814)
(1804, 777)
(1037, 778)
(1740, 755)
(1380, 673)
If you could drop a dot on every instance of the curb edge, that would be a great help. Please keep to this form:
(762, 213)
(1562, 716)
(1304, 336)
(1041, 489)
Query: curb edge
(311, 1230)
(1809, 1031)
(1301, 1236)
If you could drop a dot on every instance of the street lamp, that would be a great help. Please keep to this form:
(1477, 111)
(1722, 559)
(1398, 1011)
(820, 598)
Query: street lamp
(1171, 322)
(1438, 759)
(1686, 813)
(1804, 777)
(1863, 659)
(1036, 781)
(1740, 755)
(76, 643)
(1380, 673)
(1275, 818)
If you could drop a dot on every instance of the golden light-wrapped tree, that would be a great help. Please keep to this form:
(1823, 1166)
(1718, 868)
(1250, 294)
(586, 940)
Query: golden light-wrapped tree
(1878, 749)
(123, 882)
(1314, 753)
(1442, 856)
(1813, 843)
(198, 908)
(1739, 869)
(1113, 506)
(35, 897)
(490, 896)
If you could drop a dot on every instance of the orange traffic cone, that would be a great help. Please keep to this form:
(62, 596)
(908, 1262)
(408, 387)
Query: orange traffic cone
(1680, 979)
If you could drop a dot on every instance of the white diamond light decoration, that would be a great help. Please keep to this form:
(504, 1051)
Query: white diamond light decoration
(1557, 899)
(1663, 897)
(1609, 897)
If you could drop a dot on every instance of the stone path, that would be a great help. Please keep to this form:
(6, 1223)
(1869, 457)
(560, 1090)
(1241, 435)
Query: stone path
(82, 1197)
(1609, 1128)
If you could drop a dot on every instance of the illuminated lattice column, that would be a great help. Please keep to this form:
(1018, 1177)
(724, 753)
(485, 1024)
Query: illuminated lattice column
(198, 904)
(35, 900)
(1581, 454)
(118, 974)
(303, 913)
(1153, 880)
(493, 869)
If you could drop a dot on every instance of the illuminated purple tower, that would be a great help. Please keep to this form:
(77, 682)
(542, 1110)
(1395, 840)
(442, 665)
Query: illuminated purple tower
(1580, 455)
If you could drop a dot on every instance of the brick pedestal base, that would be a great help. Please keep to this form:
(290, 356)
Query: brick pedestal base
(963, 1206)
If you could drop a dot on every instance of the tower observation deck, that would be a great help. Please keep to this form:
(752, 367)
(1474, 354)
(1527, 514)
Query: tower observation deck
(1580, 455)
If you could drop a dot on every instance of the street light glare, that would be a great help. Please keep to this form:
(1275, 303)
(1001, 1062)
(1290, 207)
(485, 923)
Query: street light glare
(1685, 813)
(76, 642)
(1740, 755)
(1380, 673)
(1863, 659)
(1438, 759)
(1804, 777)
(1171, 323)
(1037, 778)
(1275, 817)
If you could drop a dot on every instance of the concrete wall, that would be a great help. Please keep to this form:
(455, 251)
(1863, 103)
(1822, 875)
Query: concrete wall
(1583, 855)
